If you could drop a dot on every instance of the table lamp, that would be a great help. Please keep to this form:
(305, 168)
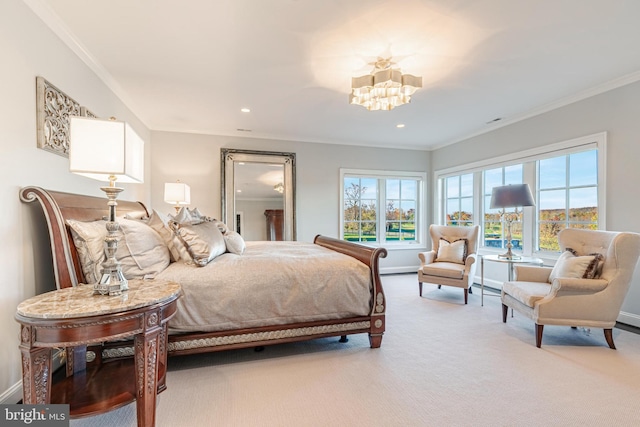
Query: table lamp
(510, 196)
(178, 194)
(107, 150)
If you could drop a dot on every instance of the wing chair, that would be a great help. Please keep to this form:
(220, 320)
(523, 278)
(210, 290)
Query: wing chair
(586, 287)
(452, 260)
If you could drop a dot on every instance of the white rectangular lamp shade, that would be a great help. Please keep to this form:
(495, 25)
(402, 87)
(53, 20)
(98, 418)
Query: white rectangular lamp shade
(99, 149)
(177, 193)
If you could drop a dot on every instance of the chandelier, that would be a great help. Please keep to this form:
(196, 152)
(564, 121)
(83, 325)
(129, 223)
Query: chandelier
(385, 88)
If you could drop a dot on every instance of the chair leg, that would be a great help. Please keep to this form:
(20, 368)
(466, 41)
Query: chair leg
(470, 290)
(439, 286)
(608, 335)
(539, 329)
(466, 296)
(505, 310)
(420, 287)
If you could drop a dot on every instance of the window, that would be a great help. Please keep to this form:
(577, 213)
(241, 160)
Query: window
(567, 180)
(459, 199)
(401, 201)
(567, 196)
(360, 209)
(494, 232)
(381, 207)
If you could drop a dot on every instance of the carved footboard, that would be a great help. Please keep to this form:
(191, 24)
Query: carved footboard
(373, 324)
(370, 257)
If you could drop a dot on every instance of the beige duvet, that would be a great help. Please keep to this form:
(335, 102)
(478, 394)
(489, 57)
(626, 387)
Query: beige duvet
(272, 283)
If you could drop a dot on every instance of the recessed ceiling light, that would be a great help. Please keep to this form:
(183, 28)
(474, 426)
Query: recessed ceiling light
(400, 125)
(245, 110)
(238, 191)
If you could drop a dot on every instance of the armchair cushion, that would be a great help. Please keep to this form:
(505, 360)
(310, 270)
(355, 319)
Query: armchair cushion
(528, 293)
(455, 251)
(449, 270)
(579, 267)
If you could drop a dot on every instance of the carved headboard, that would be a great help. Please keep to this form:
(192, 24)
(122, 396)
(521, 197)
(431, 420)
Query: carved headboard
(58, 207)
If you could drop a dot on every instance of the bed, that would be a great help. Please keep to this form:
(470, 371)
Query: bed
(259, 313)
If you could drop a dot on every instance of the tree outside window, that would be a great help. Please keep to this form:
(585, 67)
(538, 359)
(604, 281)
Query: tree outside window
(567, 196)
(401, 200)
(360, 209)
(381, 209)
(459, 200)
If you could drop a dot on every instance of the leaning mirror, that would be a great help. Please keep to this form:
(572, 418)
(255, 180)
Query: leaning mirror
(258, 193)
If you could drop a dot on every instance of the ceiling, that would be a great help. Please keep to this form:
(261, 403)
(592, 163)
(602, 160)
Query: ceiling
(190, 66)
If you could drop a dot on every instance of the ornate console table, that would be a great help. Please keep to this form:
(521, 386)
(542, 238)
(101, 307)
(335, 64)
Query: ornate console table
(73, 318)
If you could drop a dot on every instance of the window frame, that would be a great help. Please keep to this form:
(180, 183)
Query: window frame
(528, 159)
(382, 177)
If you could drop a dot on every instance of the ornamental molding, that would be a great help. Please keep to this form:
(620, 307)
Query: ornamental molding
(265, 336)
(53, 108)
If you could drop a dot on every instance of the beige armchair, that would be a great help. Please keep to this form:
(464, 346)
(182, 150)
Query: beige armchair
(561, 296)
(445, 264)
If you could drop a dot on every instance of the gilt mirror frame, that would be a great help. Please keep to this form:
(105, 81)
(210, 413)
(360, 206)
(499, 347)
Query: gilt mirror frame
(228, 159)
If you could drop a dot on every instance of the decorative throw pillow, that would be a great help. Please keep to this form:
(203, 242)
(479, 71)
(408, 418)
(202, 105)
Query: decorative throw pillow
(160, 223)
(141, 251)
(573, 266)
(452, 251)
(88, 238)
(203, 241)
(595, 268)
(234, 241)
(184, 217)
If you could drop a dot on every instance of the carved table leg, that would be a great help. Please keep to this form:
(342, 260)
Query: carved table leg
(36, 375)
(146, 363)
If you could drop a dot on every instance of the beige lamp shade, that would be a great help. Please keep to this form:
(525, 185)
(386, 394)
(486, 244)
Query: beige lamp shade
(177, 193)
(100, 149)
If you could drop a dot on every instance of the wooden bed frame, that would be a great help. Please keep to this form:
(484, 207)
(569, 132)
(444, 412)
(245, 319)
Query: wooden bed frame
(59, 206)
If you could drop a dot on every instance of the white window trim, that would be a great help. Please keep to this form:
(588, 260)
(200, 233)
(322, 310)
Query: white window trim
(421, 221)
(527, 157)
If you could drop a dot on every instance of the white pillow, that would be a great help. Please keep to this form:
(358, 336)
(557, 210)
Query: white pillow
(234, 241)
(455, 252)
(572, 266)
(203, 241)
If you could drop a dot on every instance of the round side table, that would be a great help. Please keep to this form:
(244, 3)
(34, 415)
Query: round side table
(74, 317)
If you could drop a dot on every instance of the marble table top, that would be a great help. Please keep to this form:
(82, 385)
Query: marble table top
(80, 301)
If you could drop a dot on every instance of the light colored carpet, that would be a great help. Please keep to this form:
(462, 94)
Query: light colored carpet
(441, 364)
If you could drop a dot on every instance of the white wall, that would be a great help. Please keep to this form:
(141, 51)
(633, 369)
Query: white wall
(616, 112)
(195, 160)
(30, 49)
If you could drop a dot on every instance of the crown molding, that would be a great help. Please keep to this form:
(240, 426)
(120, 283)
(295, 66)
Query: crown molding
(57, 25)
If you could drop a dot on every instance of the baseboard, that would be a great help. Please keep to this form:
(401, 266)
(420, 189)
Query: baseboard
(629, 319)
(12, 395)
